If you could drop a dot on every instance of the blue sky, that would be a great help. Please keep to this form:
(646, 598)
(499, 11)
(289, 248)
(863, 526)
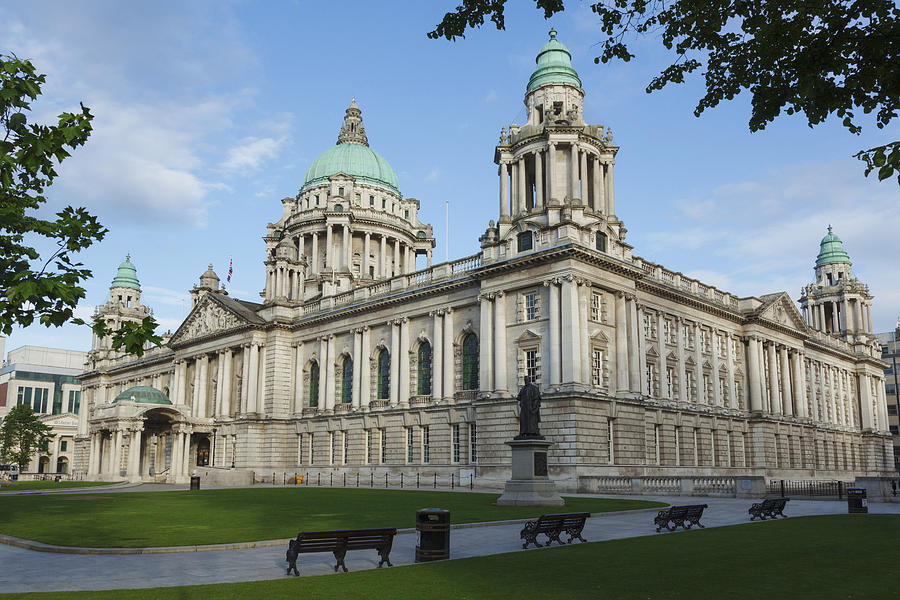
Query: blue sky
(209, 113)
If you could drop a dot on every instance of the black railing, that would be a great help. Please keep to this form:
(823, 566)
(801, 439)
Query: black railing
(451, 481)
(812, 489)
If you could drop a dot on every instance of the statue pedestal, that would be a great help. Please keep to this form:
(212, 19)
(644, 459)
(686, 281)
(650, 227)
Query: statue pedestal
(530, 484)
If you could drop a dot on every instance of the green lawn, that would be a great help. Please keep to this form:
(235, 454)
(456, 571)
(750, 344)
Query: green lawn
(183, 518)
(17, 486)
(843, 556)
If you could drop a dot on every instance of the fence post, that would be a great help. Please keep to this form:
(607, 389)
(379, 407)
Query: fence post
(401, 481)
(372, 479)
(331, 480)
(319, 478)
(417, 480)
(273, 479)
(306, 478)
(782, 488)
(451, 481)
(435, 480)
(385, 480)
(345, 480)
(471, 481)
(357, 479)
(840, 490)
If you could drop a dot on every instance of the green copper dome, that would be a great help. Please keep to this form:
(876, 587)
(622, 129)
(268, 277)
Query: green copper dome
(126, 275)
(831, 250)
(554, 65)
(359, 161)
(143, 394)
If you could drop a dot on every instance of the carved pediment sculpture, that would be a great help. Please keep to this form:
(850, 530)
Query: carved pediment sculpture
(207, 319)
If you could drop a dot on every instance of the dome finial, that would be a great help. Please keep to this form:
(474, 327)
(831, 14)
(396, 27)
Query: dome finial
(552, 33)
(829, 228)
(128, 257)
(353, 131)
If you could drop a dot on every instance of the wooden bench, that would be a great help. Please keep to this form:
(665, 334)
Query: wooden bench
(770, 508)
(553, 526)
(339, 542)
(684, 516)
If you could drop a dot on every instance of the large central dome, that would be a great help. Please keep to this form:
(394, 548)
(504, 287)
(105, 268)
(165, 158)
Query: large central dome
(352, 156)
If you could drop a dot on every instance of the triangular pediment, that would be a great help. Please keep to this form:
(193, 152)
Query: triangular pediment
(779, 308)
(212, 316)
(63, 420)
(527, 336)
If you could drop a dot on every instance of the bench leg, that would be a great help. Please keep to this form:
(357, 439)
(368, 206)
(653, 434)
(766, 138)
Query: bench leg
(385, 557)
(554, 536)
(575, 535)
(339, 557)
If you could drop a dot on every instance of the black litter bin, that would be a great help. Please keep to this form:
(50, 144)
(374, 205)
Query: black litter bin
(857, 500)
(432, 534)
(195, 483)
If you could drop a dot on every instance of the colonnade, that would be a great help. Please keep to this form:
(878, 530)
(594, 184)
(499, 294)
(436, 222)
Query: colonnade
(391, 255)
(126, 452)
(556, 171)
(853, 315)
(229, 392)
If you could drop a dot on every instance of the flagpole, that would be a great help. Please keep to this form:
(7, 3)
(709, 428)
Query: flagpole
(447, 229)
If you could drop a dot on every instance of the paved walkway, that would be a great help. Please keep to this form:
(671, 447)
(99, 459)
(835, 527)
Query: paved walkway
(24, 570)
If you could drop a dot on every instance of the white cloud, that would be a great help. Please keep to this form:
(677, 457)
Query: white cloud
(250, 153)
(433, 174)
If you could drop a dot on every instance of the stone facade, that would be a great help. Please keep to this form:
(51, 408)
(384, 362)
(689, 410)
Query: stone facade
(356, 362)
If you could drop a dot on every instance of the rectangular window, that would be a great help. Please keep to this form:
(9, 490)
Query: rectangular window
(409, 445)
(456, 449)
(722, 393)
(63, 446)
(597, 367)
(533, 366)
(667, 331)
(707, 388)
(473, 444)
(341, 192)
(406, 214)
(656, 443)
(531, 306)
(525, 241)
(651, 377)
(670, 382)
(371, 200)
(426, 444)
(689, 386)
(383, 204)
(356, 198)
(382, 438)
(596, 307)
(648, 326)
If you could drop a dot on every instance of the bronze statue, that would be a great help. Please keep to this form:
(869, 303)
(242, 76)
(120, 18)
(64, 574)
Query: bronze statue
(529, 412)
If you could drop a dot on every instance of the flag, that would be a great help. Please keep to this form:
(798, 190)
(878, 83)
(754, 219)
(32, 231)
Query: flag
(230, 271)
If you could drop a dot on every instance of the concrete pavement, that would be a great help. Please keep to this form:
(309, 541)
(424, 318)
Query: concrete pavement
(24, 570)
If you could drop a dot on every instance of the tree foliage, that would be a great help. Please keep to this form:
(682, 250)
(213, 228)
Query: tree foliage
(130, 337)
(821, 58)
(32, 287)
(21, 435)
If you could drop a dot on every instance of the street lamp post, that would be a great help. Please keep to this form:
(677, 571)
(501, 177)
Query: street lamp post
(233, 449)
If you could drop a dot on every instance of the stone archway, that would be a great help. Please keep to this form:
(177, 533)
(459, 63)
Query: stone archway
(160, 445)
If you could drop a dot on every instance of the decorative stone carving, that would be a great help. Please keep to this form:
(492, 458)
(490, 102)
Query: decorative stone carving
(209, 319)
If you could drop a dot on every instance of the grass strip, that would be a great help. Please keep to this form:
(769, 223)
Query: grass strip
(836, 556)
(19, 486)
(184, 518)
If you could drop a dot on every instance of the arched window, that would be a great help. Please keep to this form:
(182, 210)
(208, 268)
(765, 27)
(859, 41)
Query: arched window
(470, 362)
(347, 381)
(384, 375)
(601, 242)
(424, 367)
(62, 465)
(314, 384)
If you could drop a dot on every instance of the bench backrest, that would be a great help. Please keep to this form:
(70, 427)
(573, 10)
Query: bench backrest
(351, 539)
(561, 520)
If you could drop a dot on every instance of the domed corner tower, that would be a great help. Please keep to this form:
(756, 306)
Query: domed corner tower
(837, 303)
(349, 225)
(556, 170)
(209, 283)
(123, 305)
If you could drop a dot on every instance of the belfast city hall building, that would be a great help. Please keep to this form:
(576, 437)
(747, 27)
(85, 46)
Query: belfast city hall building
(352, 361)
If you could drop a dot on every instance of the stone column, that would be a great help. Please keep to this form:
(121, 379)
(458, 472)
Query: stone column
(299, 361)
(824, 403)
(93, 446)
(661, 350)
(538, 179)
(357, 366)
(551, 170)
(621, 344)
(798, 393)
(729, 369)
(329, 251)
(774, 398)
(634, 364)
(868, 328)
(395, 362)
(865, 402)
(329, 373)
(245, 377)
(610, 189)
(714, 348)
(367, 248)
(116, 453)
(520, 188)
(345, 248)
(501, 377)
(599, 186)
(134, 454)
(698, 364)
(253, 379)
(437, 356)
(204, 387)
(554, 360)
(570, 329)
(504, 190)
(396, 267)
(573, 173)
(485, 343)
(754, 372)
(404, 362)
(683, 392)
(408, 261)
(449, 370)
(220, 367)
(642, 353)
(787, 395)
(822, 325)
(382, 267)
(186, 465)
(175, 465)
(366, 369)
(314, 252)
(584, 178)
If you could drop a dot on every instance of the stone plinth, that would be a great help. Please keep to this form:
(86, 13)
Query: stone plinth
(530, 484)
